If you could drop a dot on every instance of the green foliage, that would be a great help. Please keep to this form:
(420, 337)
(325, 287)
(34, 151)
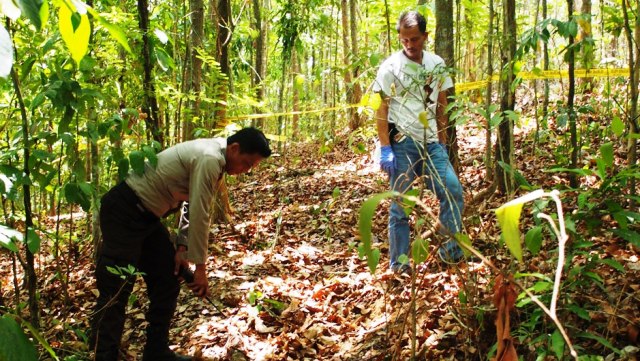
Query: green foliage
(8, 236)
(125, 272)
(14, 344)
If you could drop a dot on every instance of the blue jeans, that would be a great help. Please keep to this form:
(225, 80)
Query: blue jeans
(439, 178)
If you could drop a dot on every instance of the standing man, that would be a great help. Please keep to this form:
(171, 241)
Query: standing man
(133, 235)
(412, 124)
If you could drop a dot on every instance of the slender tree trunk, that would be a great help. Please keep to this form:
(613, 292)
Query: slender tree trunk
(31, 278)
(346, 52)
(444, 46)
(504, 147)
(222, 51)
(488, 96)
(588, 56)
(295, 118)
(545, 65)
(358, 121)
(260, 51)
(194, 66)
(150, 103)
(573, 178)
(634, 59)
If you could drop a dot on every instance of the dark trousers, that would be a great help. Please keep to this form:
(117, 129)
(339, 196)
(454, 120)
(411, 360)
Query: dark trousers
(132, 236)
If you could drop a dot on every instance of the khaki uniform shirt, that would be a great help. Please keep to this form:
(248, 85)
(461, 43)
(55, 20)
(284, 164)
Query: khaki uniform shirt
(186, 172)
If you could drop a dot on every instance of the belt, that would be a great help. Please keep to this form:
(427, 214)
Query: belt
(131, 197)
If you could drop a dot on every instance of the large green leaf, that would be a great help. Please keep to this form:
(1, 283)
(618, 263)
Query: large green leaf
(14, 344)
(33, 241)
(31, 8)
(509, 220)
(373, 259)
(617, 126)
(420, 250)
(628, 235)
(557, 344)
(74, 193)
(136, 159)
(606, 152)
(367, 211)
(75, 31)
(7, 237)
(6, 52)
(533, 239)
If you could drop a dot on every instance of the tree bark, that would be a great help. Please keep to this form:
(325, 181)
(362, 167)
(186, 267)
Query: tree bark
(31, 277)
(588, 57)
(357, 119)
(504, 146)
(489, 164)
(633, 59)
(150, 103)
(260, 52)
(573, 178)
(444, 46)
(194, 66)
(222, 51)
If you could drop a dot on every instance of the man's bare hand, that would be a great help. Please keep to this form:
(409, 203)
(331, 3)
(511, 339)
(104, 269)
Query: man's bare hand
(200, 284)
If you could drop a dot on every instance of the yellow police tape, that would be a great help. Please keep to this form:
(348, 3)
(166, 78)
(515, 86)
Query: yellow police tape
(548, 74)
(460, 87)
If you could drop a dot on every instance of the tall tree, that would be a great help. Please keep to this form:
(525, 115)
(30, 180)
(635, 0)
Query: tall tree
(586, 34)
(444, 46)
(504, 146)
(356, 119)
(225, 31)
(150, 102)
(260, 57)
(573, 178)
(194, 65)
(634, 74)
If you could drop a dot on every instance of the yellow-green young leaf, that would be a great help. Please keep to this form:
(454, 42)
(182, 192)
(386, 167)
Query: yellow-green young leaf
(367, 211)
(509, 219)
(299, 81)
(617, 126)
(373, 259)
(420, 250)
(115, 31)
(44, 12)
(375, 101)
(75, 37)
(465, 243)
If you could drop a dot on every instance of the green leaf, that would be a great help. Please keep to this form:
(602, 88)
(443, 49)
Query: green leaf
(367, 211)
(14, 344)
(123, 168)
(617, 126)
(420, 250)
(579, 311)
(613, 264)
(136, 159)
(533, 239)
(33, 241)
(6, 52)
(606, 152)
(373, 259)
(628, 235)
(116, 32)
(164, 60)
(7, 237)
(600, 339)
(150, 154)
(75, 37)
(74, 194)
(374, 59)
(31, 8)
(557, 344)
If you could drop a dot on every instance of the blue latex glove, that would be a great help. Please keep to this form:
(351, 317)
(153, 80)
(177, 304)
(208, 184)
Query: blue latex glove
(387, 159)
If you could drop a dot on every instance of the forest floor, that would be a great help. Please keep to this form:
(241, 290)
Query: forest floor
(286, 273)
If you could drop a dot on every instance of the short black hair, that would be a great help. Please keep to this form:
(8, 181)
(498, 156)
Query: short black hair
(251, 141)
(409, 19)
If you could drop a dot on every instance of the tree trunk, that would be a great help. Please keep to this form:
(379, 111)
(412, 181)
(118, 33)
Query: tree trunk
(31, 278)
(260, 52)
(194, 67)
(150, 103)
(295, 118)
(357, 119)
(489, 164)
(573, 178)
(222, 52)
(444, 46)
(504, 146)
(588, 56)
(545, 56)
(346, 53)
(634, 59)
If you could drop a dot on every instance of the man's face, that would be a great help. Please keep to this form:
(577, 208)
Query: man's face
(238, 162)
(412, 41)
